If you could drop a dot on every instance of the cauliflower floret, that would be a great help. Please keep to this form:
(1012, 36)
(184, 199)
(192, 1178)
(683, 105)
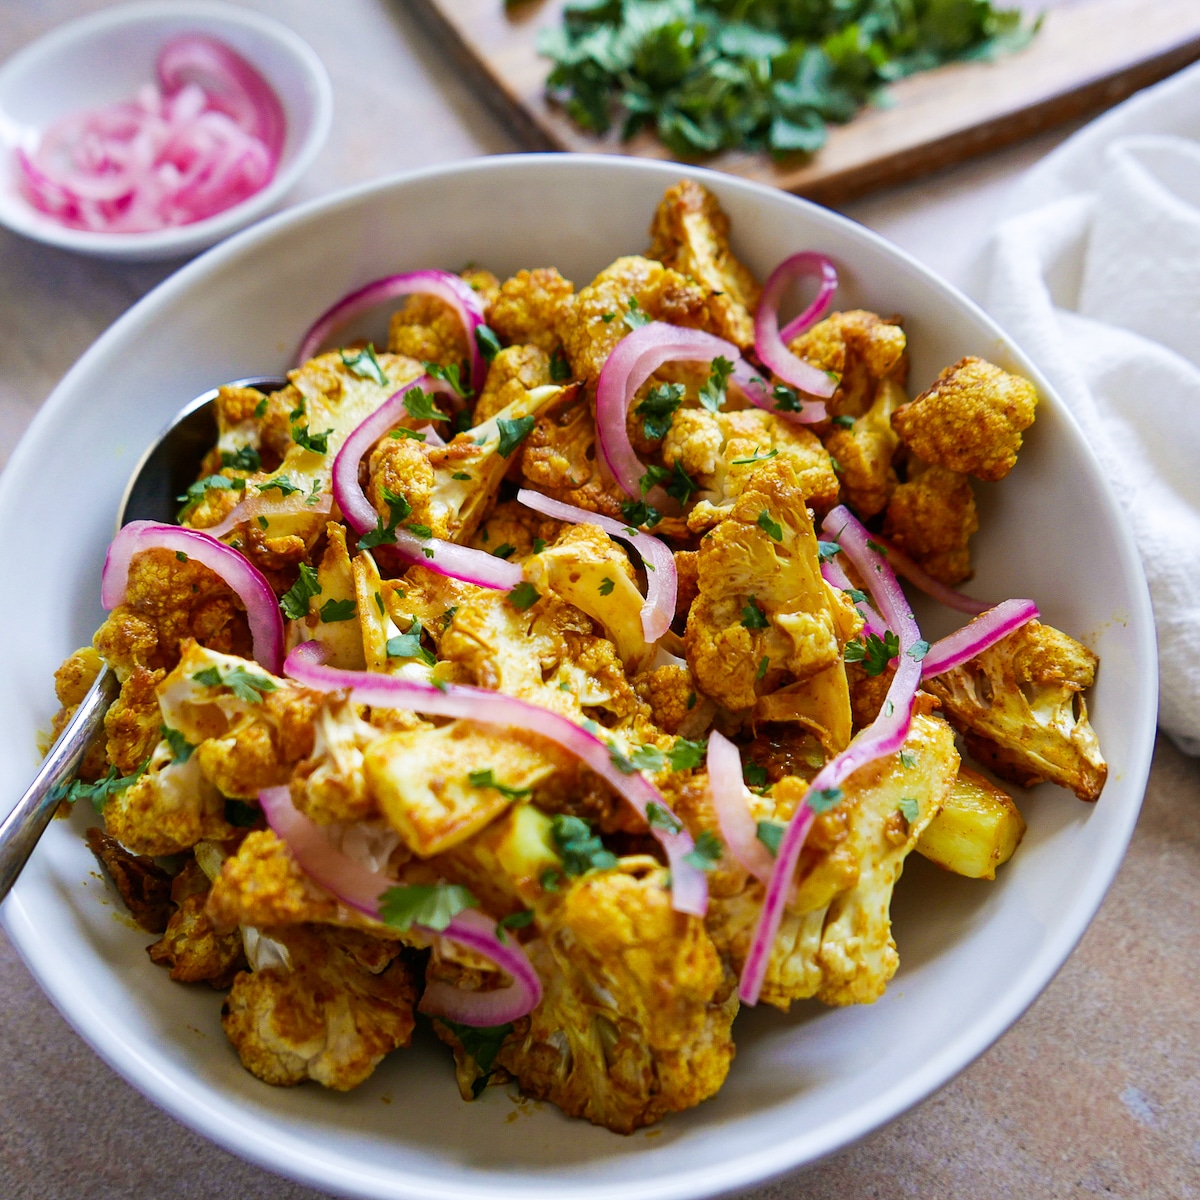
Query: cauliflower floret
(528, 307)
(763, 608)
(860, 348)
(635, 1019)
(346, 1002)
(330, 785)
(864, 452)
(721, 451)
(340, 636)
(169, 600)
(835, 941)
(690, 233)
(970, 420)
(931, 517)
(517, 369)
(662, 294)
(512, 530)
(133, 721)
(1020, 706)
(191, 948)
(429, 330)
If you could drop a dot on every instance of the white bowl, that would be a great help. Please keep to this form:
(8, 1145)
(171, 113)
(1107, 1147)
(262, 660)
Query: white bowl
(107, 57)
(973, 955)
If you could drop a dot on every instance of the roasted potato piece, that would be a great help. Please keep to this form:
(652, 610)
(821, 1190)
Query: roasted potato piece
(976, 831)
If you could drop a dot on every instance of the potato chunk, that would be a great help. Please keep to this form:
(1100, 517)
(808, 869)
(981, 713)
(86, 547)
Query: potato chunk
(976, 831)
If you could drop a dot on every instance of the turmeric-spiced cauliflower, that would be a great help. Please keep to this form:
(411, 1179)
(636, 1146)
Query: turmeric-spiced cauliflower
(520, 834)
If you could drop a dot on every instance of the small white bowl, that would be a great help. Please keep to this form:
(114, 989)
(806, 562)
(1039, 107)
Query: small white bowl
(105, 58)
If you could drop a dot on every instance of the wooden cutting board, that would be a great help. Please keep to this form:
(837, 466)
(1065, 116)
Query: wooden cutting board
(1089, 55)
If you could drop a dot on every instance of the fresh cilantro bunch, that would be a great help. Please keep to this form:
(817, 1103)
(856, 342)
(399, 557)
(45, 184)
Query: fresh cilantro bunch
(755, 74)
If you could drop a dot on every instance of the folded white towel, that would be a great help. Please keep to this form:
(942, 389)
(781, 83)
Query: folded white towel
(1096, 274)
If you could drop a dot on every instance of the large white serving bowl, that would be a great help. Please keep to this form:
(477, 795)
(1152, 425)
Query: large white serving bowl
(107, 57)
(973, 955)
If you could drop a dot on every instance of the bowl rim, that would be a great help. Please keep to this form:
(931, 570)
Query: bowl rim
(739, 1170)
(179, 240)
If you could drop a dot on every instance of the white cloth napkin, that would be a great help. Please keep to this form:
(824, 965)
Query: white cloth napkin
(1096, 274)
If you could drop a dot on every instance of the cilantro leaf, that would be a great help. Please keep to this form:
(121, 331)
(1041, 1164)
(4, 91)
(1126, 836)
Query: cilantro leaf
(197, 491)
(181, 748)
(505, 551)
(337, 610)
(524, 596)
(828, 550)
(408, 645)
(786, 399)
(755, 774)
(365, 365)
(910, 808)
(432, 906)
(411, 435)
(753, 617)
(452, 375)
(770, 833)
(908, 760)
(318, 443)
(419, 405)
(918, 649)
(99, 792)
(247, 686)
(260, 409)
(824, 799)
(482, 1043)
(516, 920)
(846, 422)
(763, 664)
(513, 432)
(658, 817)
(560, 369)
(487, 779)
(658, 408)
(712, 394)
(686, 755)
(707, 852)
(606, 586)
(638, 512)
(398, 510)
(677, 483)
(873, 651)
(488, 342)
(637, 316)
(771, 528)
(755, 457)
(648, 758)
(581, 850)
(282, 483)
(294, 601)
(244, 458)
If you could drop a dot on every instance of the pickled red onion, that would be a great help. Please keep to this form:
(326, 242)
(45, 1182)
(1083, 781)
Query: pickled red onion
(770, 343)
(662, 582)
(446, 558)
(268, 504)
(728, 791)
(885, 735)
(246, 581)
(689, 887)
(209, 139)
(934, 588)
(976, 636)
(361, 888)
(453, 289)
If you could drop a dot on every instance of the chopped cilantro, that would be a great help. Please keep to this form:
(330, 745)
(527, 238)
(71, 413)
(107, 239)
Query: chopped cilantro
(260, 409)
(453, 375)
(581, 850)
(408, 645)
(606, 586)
(461, 475)
(910, 808)
(197, 491)
(873, 651)
(421, 531)
(753, 617)
(482, 1043)
(282, 483)
(99, 792)
(448, 616)
(244, 458)
(707, 852)
(550, 879)
(411, 435)
(608, 317)
(824, 799)
(337, 610)
(560, 369)
(908, 760)
(828, 550)
(712, 394)
(263, 522)
(398, 509)
(379, 604)
(505, 551)
(856, 596)
(318, 443)
(539, 544)
(786, 399)
(181, 748)
(755, 457)
(365, 365)
(918, 649)
(772, 528)
(432, 906)
(241, 815)
(658, 408)
(755, 774)
(686, 755)
(245, 685)
(517, 920)
(180, 556)
(487, 779)
(524, 596)
(638, 512)
(677, 483)
(637, 316)
(488, 342)
(691, 701)
(513, 433)
(648, 758)
(294, 601)
(877, 547)
(419, 405)
(846, 422)
(658, 817)
(770, 833)
(763, 664)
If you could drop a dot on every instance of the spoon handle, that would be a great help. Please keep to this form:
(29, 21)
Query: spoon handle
(25, 824)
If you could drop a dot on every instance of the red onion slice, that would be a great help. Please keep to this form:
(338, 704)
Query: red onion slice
(247, 582)
(446, 558)
(662, 582)
(872, 621)
(269, 504)
(738, 827)
(231, 85)
(770, 342)
(885, 735)
(359, 887)
(934, 588)
(972, 639)
(304, 664)
(453, 290)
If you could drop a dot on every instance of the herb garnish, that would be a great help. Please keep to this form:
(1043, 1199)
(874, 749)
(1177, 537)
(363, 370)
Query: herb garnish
(294, 601)
(487, 779)
(606, 586)
(753, 617)
(488, 342)
(638, 512)
(910, 808)
(453, 375)
(712, 394)
(581, 850)
(773, 529)
(337, 610)
(181, 748)
(873, 651)
(244, 458)
(245, 685)
(513, 433)
(365, 365)
(658, 408)
(284, 485)
(524, 596)
(707, 852)
(770, 833)
(433, 906)
(408, 645)
(419, 405)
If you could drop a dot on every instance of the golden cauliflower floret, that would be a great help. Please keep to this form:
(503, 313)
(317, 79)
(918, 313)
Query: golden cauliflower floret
(864, 452)
(330, 1017)
(860, 348)
(931, 517)
(1020, 707)
(669, 692)
(528, 307)
(763, 609)
(191, 949)
(835, 940)
(402, 467)
(72, 680)
(133, 721)
(970, 420)
(690, 233)
(168, 601)
(330, 785)
(635, 1020)
(517, 369)
(721, 451)
(659, 292)
(429, 330)
(511, 524)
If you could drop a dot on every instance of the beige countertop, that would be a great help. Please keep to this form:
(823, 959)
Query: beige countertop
(1095, 1091)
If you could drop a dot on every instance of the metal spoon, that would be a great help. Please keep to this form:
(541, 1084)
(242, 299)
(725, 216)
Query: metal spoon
(165, 471)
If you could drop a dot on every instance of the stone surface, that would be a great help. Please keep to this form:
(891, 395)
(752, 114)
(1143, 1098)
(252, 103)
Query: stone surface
(1095, 1091)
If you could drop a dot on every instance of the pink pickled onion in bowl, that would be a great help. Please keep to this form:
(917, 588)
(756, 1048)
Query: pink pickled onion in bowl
(208, 140)
(770, 342)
